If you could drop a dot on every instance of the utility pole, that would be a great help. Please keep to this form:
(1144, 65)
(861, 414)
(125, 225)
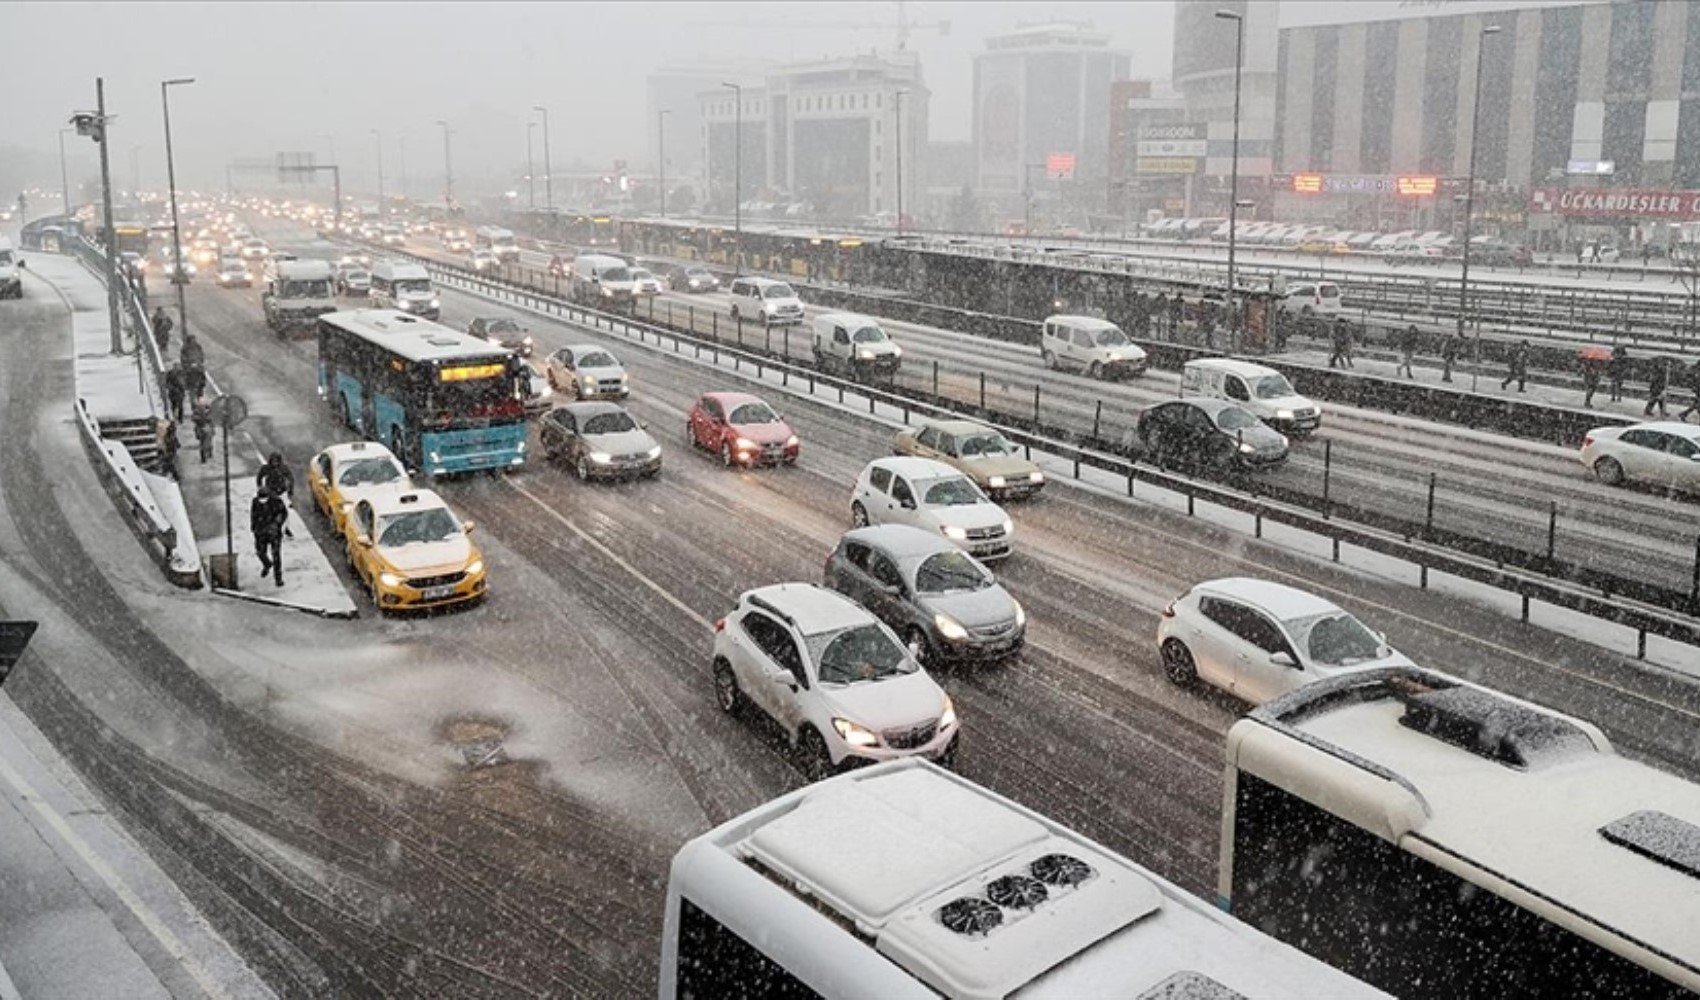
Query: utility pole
(448, 169)
(64, 176)
(378, 144)
(661, 154)
(1233, 298)
(401, 152)
(548, 161)
(737, 175)
(1470, 198)
(897, 101)
(178, 278)
(530, 167)
(95, 126)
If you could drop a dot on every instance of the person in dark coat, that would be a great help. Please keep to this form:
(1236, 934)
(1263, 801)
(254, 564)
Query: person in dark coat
(1691, 382)
(1449, 354)
(1160, 312)
(1408, 340)
(1617, 369)
(1342, 344)
(174, 392)
(1177, 312)
(165, 439)
(275, 476)
(192, 355)
(267, 517)
(1592, 370)
(201, 413)
(1517, 369)
(1657, 385)
(194, 383)
(161, 329)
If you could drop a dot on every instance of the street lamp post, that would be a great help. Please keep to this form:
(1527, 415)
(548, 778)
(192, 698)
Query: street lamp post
(530, 167)
(1234, 173)
(737, 174)
(548, 161)
(661, 155)
(1027, 196)
(897, 136)
(378, 146)
(1470, 201)
(448, 169)
(178, 278)
(64, 176)
(95, 126)
(401, 153)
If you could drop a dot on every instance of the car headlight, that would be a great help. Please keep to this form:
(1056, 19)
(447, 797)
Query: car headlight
(390, 579)
(607, 293)
(997, 482)
(624, 378)
(953, 531)
(947, 718)
(436, 303)
(1283, 414)
(949, 627)
(791, 442)
(855, 735)
(865, 355)
(526, 341)
(743, 444)
(475, 567)
(1020, 615)
(1036, 477)
(896, 352)
(590, 381)
(600, 457)
(1247, 448)
(655, 452)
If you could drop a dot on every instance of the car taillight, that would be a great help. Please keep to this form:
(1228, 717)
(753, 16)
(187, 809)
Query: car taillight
(1169, 612)
(1588, 441)
(719, 625)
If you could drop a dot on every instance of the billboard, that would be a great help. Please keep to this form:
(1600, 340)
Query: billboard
(1167, 165)
(1184, 139)
(1059, 166)
(1615, 203)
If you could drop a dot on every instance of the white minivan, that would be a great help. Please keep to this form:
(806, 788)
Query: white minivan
(1307, 298)
(855, 344)
(1091, 345)
(766, 301)
(1262, 390)
(601, 279)
(404, 285)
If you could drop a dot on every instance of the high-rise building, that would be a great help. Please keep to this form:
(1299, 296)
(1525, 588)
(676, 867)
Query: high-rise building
(1204, 49)
(824, 134)
(676, 88)
(1041, 92)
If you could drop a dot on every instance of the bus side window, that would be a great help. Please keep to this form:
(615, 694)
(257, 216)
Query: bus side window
(715, 962)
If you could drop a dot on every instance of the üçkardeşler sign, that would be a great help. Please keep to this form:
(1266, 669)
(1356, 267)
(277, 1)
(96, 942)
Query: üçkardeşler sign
(1616, 203)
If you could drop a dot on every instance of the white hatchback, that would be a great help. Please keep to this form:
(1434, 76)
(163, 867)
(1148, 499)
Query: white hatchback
(928, 494)
(837, 680)
(1663, 453)
(1258, 640)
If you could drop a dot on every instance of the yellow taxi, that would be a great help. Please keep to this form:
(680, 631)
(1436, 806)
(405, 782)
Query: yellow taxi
(411, 551)
(343, 474)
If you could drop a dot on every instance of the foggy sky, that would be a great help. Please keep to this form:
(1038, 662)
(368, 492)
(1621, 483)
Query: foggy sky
(277, 77)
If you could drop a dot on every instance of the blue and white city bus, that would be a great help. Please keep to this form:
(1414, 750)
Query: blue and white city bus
(443, 401)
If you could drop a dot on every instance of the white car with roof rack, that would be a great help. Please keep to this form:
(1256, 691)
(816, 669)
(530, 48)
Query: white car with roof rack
(839, 682)
(903, 880)
(929, 494)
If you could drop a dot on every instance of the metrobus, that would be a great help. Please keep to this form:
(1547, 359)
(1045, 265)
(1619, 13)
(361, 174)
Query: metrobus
(905, 880)
(1438, 839)
(443, 401)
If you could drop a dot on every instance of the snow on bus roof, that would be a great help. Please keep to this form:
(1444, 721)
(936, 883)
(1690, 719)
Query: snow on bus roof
(413, 338)
(1512, 789)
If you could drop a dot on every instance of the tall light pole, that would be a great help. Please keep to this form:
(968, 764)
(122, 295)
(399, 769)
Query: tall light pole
(661, 154)
(737, 174)
(448, 169)
(1027, 196)
(136, 172)
(897, 102)
(94, 126)
(548, 162)
(1234, 172)
(1470, 198)
(64, 175)
(530, 167)
(401, 152)
(178, 278)
(378, 145)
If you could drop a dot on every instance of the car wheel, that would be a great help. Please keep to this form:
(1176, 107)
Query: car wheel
(1096, 370)
(920, 647)
(816, 760)
(725, 454)
(581, 468)
(726, 693)
(1178, 663)
(858, 514)
(1609, 471)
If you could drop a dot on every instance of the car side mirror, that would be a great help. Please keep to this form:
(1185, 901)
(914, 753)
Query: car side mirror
(906, 504)
(467, 526)
(1283, 660)
(23, 265)
(365, 541)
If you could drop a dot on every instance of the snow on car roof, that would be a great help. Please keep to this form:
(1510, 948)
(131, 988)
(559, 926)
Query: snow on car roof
(1232, 366)
(1084, 322)
(913, 468)
(1540, 827)
(1280, 600)
(902, 540)
(348, 451)
(405, 500)
(813, 609)
(959, 427)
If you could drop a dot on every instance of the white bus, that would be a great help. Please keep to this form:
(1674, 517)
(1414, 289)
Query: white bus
(904, 880)
(1438, 839)
(498, 241)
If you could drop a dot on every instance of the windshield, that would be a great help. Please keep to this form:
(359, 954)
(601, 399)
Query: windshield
(753, 413)
(416, 286)
(959, 491)
(609, 423)
(502, 326)
(1111, 336)
(616, 274)
(316, 289)
(779, 291)
(1336, 639)
(641, 275)
(951, 571)
(697, 272)
(1235, 419)
(597, 359)
(870, 335)
(415, 526)
(368, 472)
(1271, 387)
(859, 653)
(978, 445)
(5, 257)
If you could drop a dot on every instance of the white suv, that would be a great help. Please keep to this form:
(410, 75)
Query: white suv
(928, 494)
(836, 679)
(1091, 345)
(769, 302)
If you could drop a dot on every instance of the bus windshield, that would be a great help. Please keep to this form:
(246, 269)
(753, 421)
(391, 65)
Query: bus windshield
(318, 288)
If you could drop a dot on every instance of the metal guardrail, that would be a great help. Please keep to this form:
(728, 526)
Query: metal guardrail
(122, 480)
(1530, 584)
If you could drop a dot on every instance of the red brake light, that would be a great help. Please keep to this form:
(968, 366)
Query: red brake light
(1588, 441)
(1169, 612)
(719, 625)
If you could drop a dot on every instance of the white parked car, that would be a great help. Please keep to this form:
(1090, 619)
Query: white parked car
(1662, 453)
(835, 679)
(1091, 345)
(932, 495)
(1258, 640)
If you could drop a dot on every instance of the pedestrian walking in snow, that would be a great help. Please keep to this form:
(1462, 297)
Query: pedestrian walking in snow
(1408, 340)
(165, 439)
(1657, 385)
(1592, 369)
(1517, 369)
(267, 517)
(275, 476)
(1449, 354)
(161, 329)
(192, 355)
(174, 392)
(201, 413)
(1342, 344)
(1617, 369)
(1691, 382)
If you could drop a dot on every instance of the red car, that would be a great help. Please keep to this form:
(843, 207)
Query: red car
(741, 429)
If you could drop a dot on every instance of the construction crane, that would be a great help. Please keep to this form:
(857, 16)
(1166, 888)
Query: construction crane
(903, 27)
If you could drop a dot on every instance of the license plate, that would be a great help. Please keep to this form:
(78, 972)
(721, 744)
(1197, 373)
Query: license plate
(438, 593)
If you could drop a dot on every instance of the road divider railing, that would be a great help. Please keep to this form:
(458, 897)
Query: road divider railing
(123, 481)
(1604, 596)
